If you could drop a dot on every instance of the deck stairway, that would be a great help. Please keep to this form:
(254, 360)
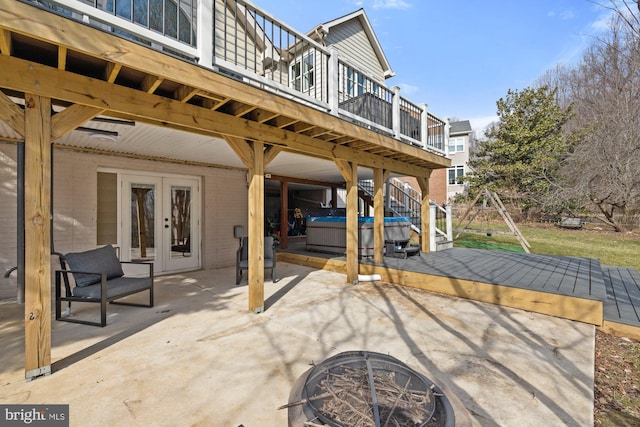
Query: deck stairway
(403, 200)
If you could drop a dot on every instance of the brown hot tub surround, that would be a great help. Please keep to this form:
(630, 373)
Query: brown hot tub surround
(361, 388)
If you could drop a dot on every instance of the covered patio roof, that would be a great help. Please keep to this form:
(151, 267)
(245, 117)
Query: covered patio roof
(57, 74)
(101, 74)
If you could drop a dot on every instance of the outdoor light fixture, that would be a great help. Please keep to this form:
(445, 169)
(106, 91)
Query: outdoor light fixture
(99, 134)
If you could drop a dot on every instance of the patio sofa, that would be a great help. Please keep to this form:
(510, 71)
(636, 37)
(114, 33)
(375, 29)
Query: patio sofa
(97, 276)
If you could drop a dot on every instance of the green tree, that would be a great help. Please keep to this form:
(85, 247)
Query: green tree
(519, 156)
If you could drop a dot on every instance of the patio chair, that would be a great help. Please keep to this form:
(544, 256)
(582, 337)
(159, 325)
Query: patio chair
(242, 258)
(97, 277)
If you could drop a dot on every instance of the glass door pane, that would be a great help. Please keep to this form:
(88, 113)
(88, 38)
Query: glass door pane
(142, 245)
(181, 224)
(180, 221)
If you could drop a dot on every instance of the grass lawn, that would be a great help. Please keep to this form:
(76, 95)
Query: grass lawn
(619, 249)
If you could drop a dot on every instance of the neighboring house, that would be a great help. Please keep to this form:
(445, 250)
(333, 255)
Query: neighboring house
(445, 184)
(460, 138)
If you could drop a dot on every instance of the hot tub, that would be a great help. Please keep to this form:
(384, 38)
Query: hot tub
(329, 233)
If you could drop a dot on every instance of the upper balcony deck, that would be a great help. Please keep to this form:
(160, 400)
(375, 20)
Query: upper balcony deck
(241, 41)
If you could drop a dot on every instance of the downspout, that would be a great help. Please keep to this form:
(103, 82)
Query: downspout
(20, 226)
(20, 239)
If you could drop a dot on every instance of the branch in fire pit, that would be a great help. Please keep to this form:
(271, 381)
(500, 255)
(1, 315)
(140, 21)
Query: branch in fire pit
(350, 401)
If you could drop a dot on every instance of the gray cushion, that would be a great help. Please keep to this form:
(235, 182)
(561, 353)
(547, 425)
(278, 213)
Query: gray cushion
(115, 287)
(101, 260)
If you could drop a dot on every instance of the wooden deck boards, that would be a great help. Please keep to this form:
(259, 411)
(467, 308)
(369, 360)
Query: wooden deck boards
(616, 289)
(623, 295)
(549, 273)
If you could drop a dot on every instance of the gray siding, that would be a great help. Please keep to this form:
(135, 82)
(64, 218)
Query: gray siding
(354, 46)
(232, 42)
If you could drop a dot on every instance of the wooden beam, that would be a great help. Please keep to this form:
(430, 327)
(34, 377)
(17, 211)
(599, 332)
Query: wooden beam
(567, 307)
(620, 330)
(26, 76)
(112, 71)
(345, 169)
(70, 118)
(138, 156)
(378, 214)
(270, 153)
(323, 263)
(185, 93)
(242, 149)
(150, 83)
(256, 230)
(349, 171)
(37, 307)
(425, 212)
(5, 42)
(305, 181)
(11, 114)
(24, 19)
(62, 57)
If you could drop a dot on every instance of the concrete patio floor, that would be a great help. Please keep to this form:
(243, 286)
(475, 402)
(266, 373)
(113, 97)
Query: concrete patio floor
(199, 358)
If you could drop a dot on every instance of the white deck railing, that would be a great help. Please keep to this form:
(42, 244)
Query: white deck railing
(239, 39)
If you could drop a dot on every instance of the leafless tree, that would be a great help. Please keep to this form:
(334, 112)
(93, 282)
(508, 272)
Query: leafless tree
(605, 164)
(628, 11)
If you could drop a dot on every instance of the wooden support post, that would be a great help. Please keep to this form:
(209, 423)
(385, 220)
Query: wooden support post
(379, 178)
(256, 229)
(37, 308)
(349, 171)
(284, 215)
(425, 213)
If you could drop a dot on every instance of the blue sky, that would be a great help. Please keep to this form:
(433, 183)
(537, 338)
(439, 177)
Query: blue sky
(461, 56)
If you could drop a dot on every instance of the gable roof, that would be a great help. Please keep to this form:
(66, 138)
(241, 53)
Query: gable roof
(320, 31)
(461, 127)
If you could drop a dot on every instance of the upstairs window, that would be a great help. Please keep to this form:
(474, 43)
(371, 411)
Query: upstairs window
(456, 175)
(302, 73)
(456, 145)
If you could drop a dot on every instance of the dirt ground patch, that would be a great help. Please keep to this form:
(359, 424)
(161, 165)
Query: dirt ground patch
(617, 381)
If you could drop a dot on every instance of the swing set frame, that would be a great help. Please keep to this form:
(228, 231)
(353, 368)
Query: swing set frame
(491, 198)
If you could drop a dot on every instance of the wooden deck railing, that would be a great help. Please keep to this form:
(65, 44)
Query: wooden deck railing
(242, 41)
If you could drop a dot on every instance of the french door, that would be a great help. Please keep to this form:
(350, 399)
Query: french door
(160, 221)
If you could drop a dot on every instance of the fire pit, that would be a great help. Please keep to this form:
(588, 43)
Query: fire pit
(360, 388)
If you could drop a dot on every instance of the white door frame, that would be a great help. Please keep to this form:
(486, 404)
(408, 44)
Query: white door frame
(163, 260)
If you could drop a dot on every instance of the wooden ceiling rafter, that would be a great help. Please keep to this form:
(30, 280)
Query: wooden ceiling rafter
(150, 83)
(62, 57)
(260, 115)
(5, 41)
(184, 93)
(11, 114)
(46, 28)
(112, 71)
(300, 127)
(281, 122)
